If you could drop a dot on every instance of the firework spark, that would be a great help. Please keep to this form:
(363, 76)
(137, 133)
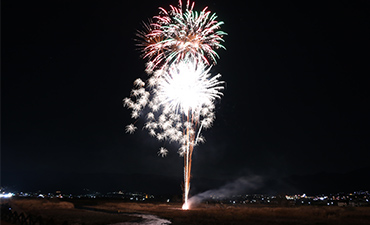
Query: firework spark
(179, 97)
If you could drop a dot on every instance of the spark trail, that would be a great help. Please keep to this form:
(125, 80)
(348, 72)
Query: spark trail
(180, 93)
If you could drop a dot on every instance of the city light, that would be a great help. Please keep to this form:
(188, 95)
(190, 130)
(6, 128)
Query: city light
(8, 195)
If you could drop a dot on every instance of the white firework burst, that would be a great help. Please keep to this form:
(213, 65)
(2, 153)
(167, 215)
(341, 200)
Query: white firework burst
(187, 87)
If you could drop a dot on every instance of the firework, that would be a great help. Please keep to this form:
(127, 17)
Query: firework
(180, 95)
(177, 34)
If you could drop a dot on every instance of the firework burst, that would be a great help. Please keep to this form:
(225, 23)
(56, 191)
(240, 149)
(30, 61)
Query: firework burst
(177, 34)
(180, 98)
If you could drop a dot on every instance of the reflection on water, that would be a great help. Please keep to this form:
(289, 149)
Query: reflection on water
(146, 219)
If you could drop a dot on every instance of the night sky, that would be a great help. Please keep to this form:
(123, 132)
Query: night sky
(295, 109)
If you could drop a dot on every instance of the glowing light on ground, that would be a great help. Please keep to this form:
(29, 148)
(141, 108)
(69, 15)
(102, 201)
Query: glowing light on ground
(185, 206)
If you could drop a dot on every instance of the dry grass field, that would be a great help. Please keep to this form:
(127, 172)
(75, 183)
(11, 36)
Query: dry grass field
(61, 211)
(109, 212)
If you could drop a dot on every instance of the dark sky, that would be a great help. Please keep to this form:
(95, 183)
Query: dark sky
(295, 104)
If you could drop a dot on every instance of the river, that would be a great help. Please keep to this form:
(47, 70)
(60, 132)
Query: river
(146, 219)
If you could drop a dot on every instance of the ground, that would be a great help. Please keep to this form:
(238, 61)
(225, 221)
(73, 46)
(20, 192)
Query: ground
(99, 212)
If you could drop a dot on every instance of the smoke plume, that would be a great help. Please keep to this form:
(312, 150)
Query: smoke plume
(239, 186)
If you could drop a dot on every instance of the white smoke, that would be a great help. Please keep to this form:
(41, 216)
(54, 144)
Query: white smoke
(239, 186)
